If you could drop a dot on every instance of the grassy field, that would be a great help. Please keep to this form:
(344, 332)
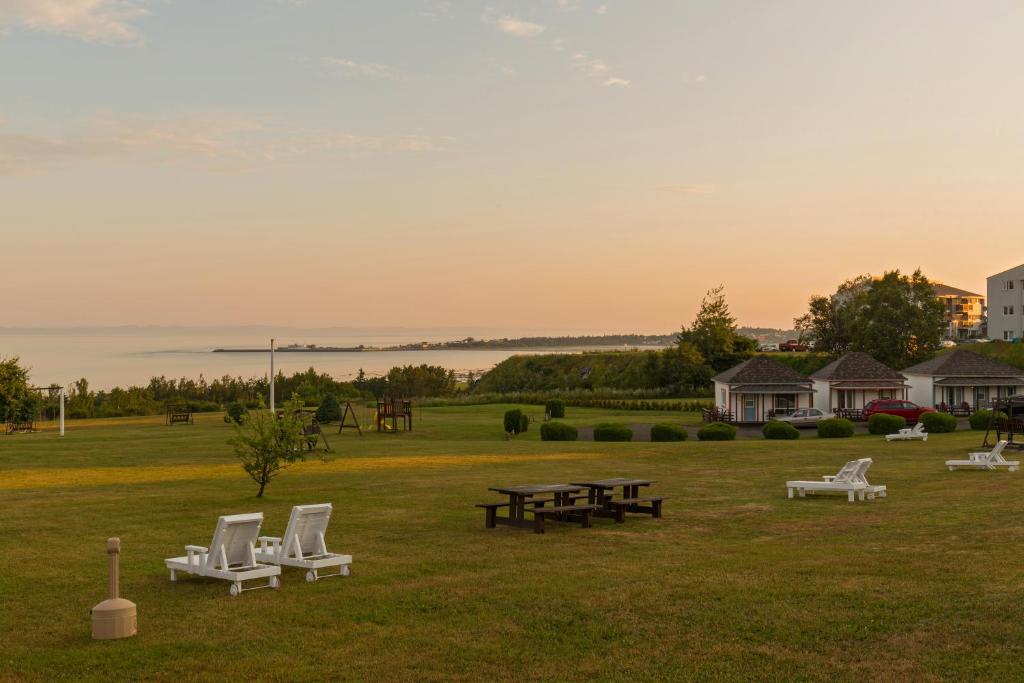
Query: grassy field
(735, 583)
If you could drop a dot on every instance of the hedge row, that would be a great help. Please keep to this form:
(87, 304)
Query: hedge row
(882, 423)
(776, 429)
(609, 431)
(662, 432)
(557, 431)
(938, 423)
(835, 428)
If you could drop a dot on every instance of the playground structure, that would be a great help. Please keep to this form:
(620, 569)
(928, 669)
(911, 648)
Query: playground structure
(52, 408)
(393, 409)
(349, 411)
(178, 414)
(1006, 429)
(313, 433)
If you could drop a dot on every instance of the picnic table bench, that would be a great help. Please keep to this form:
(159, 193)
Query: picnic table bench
(564, 506)
(15, 427)
(601, 492)
(179, 416)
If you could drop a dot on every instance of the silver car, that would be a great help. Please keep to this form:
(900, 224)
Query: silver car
(804, 417)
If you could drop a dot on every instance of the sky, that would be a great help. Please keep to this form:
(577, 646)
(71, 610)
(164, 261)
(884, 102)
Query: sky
(571, 165)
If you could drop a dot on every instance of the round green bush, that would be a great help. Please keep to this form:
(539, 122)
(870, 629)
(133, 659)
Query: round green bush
(938, 423)
(555, 408)
(329, 410)
(609, 431)
(776, 429)
(717, 431)
(524, 423)
(835, 428)
(983, 419)
(236, 412)
(514, 421)
(882, 424)
(557, 431)
(668, 433)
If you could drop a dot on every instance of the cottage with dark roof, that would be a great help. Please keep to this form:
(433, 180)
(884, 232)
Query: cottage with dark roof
(962, 377)
(853, 380)
(759, 388)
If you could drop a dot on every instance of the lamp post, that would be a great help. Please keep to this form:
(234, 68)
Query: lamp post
(62, 411)
(271, 375)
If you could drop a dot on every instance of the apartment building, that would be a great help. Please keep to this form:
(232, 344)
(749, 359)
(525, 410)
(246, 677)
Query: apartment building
(965, 312)
(1006, 304)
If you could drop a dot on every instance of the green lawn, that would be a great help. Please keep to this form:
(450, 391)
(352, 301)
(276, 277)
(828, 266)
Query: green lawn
(736, 582)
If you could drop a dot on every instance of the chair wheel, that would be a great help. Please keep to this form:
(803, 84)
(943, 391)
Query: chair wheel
(311, 576)
(235, 589)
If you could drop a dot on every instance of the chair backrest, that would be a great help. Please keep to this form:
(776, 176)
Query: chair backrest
(847, 473)
(306, 531)
(996, 455)
(862, 471)
(234, 541)
(918, 428)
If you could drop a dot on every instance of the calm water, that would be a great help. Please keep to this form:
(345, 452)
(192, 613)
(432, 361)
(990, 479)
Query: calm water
(122, 358)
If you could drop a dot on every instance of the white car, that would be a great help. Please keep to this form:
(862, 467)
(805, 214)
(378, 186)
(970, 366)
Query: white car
(768, 347)
(804, 417)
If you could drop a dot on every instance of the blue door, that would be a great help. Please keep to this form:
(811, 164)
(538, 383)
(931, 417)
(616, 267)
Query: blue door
(749, 409)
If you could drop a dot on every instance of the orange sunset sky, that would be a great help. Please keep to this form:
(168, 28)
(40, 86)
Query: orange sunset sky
(563, 164)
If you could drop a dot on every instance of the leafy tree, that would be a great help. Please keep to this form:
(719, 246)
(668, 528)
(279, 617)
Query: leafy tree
(713, 333)
(266, 444)
(16, 398)
(896, 319)
(329, 409)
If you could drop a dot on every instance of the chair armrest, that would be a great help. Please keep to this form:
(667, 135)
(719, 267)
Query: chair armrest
(196, 549)
(192, 550)
(269, 540)
(828, 477)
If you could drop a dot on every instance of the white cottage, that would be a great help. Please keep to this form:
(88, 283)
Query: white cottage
(853, 380)
(962, 377)
(757, 389)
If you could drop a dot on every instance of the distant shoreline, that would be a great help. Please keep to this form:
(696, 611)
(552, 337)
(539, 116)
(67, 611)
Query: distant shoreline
(441, 347)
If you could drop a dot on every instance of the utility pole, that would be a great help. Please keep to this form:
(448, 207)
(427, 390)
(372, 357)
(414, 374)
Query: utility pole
(271, 375)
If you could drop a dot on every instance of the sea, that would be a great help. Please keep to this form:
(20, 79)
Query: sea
(127, 356)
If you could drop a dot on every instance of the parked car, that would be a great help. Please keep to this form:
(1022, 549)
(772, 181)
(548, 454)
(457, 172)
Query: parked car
(768, 347)
(947, 344)
(911, 412)
(804, 417)
(792, 345)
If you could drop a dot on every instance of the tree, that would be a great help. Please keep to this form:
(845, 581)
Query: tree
(897, 319)
(713, 333)
(267, 444)
(18, 403)
(329, 409)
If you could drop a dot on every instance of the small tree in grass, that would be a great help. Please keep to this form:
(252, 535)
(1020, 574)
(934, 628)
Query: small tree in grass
(266, 444)
(329, 410)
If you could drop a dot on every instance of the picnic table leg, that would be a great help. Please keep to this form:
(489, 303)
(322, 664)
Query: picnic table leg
(656, 509)
(491, 512)
(586, 519)
(538, 522)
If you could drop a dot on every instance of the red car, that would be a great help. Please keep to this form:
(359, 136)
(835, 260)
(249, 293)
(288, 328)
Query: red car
(892, 406)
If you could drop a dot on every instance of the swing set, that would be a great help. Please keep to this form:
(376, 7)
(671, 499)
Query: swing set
(1011, 427)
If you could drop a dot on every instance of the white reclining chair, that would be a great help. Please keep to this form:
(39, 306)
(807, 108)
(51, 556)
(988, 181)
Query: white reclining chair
(909, 433)
(850, 480)
(985, 460)
(303, 544)
(231, 555)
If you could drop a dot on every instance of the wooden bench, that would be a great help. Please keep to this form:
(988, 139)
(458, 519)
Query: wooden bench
(491, 509)
(14, 427)
(622, 506)
(179, 417)
(584, 512)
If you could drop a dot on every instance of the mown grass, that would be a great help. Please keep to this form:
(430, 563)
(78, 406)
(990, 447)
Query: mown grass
(736, 582)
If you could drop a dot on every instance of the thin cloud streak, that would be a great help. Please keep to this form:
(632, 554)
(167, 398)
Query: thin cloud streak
(101, 21)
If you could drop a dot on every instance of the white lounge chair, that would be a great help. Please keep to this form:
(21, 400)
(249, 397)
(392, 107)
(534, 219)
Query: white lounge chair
(231, 555)
(986, 460)
(909, 433)
(850, 480)
(303, 544)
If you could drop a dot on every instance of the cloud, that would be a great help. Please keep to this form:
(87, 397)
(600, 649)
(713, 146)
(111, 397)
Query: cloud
(353, 68)
(102, 21)
(615, 81)
(218, 141)
(569, 5)
(515, 27)
(597, 69)
(601, 10)
(688, 189)
(700, 79)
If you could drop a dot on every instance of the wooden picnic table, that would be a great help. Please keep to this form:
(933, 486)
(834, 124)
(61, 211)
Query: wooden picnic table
(601, 492)
(520, 502)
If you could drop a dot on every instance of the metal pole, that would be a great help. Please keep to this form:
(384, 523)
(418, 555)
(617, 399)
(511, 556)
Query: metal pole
(271, 375)
(62, 411)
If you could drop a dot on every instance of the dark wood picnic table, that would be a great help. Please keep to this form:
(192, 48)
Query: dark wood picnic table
(521, 502)
(601, 492)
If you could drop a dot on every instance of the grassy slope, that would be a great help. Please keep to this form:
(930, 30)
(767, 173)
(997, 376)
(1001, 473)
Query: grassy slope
(735, 582)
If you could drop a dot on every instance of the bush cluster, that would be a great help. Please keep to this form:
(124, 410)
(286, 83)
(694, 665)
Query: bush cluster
(984, 419)
(717, 431)
(609, 431)
(662, 432)
(938, 423)
(329, 409)
(835, 428)
(516, 421)
(557, 431)
(776, 429)
(555, 408)
(882, 424)
(235, 412)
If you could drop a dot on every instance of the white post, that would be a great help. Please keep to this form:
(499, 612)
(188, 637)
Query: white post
(271, 375)
(62, 411)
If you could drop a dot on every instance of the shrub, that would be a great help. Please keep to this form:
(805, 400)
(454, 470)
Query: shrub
(514, 421)
(776, 429)
(555, 408)
(983, 419)
(204, 406)
(668, 433)
(835, 428)
(235, 413)
(882, 424)
(609, 431)
(938, 423)
(524, 423)
(717, 431)
(557, 431)
(329, 409)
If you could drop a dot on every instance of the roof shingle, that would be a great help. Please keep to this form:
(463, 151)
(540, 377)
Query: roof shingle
(761, 370)
(857, 365)
(961, 363)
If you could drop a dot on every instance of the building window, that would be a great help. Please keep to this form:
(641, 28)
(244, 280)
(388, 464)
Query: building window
(785, 403)
(1007, 310)
(1008, 284)
(723, 397)
(1007, 335)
